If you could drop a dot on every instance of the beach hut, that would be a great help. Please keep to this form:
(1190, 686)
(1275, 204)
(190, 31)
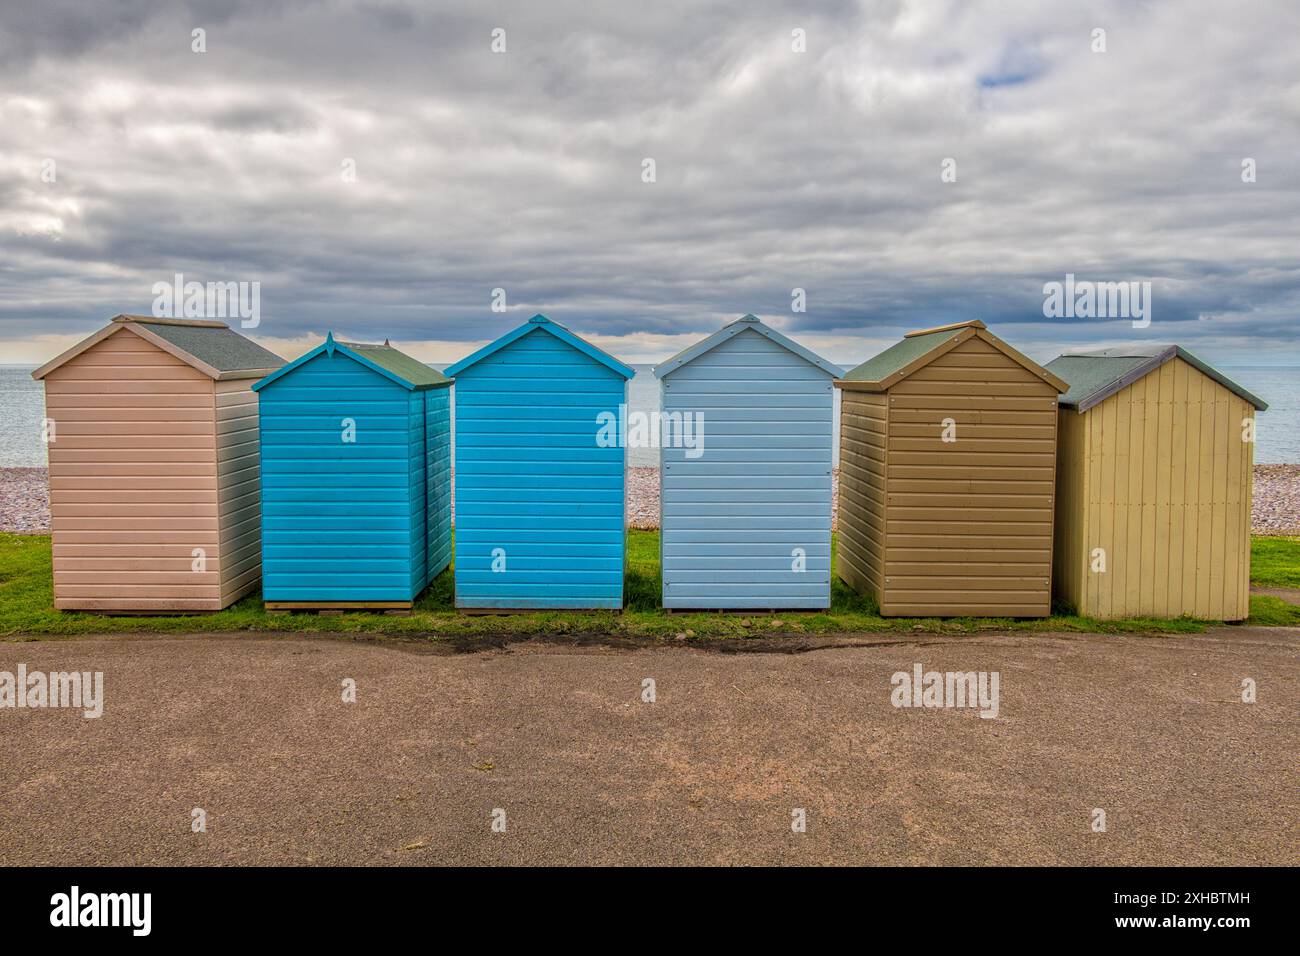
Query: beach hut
(356, 478)
(745, 472)
(1153, 485)
(152, 434)
(540, 511)
(947, 463)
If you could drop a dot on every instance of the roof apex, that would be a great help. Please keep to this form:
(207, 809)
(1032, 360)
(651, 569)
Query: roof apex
(969, 324)
(747, 323)
(1100, 373)
(394, 364)
(540, 323)
(208, 346)
(914, 351)
(167, 320)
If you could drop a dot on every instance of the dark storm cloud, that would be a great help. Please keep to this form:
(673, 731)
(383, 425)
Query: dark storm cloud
(775, 169)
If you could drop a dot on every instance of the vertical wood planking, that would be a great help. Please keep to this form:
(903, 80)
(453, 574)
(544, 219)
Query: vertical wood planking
(1171, 500)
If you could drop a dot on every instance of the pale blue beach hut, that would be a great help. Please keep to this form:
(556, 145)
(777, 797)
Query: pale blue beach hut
(746, 494)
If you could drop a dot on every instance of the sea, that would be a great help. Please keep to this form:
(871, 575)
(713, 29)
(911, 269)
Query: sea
(1277, 430)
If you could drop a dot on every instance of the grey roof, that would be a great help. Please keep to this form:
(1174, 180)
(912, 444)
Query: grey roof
(213, 343)
(210, 346)
(411, 370)
(732, 329)
(1095, 375)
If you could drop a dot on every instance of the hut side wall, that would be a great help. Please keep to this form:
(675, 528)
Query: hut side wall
(431, 485)
(239, 490)
(732, 517)
(864, 431)
(133, 480)
(532, 481)
(1070, 550)
(336, 516)
(970, 522)
(1169, 494)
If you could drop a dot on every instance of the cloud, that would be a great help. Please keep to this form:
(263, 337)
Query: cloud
(775, 169)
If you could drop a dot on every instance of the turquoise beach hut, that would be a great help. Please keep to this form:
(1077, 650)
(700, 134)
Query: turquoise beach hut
(356, 478)
(540, 514)
(746, 493)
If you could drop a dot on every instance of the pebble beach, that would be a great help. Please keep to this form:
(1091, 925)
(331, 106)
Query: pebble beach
(25, 499)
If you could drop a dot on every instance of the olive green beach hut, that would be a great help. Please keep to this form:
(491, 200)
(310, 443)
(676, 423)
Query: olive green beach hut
(947, 468)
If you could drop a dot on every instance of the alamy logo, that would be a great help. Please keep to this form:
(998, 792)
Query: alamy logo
(922, 688)
(134, 910)
(179, 299)
(78, 690)
(653, 430)
(1098, 300)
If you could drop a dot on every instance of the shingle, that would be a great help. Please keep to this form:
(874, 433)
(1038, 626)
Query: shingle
(220, 347)
(411, 370)
(1096, 375)
(899, 356)
(1089, 375)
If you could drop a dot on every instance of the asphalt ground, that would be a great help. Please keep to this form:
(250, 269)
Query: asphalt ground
(253, 731)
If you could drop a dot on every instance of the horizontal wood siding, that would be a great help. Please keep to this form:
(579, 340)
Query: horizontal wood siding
(970, 522)
(532, 481)
(1168, 499)
(336, 515)
(434, 497)
(239, 489)
(133, 481)
(761, 488)
(418, 483)
(430, 475)
(864, 431)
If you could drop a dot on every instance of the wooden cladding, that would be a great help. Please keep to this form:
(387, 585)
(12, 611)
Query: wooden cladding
(152, 461)
(1155, 496)
(964, 526)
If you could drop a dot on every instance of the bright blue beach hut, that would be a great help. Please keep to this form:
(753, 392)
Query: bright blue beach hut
(356, 478)
(746, 489)
(540, 512)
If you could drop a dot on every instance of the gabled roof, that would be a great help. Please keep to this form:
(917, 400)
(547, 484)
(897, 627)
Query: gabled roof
(730, 331)
(406, 371)
(212, 347)
(918, 349)
(1096, 375)
(543, 324)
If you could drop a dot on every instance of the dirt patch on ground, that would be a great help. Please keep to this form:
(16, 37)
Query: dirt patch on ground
(253, 730)
(1290, 595)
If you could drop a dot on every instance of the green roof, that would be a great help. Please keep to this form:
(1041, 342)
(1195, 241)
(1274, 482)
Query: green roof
(411, 370)
(384, 359)
(899, 356)
(1096, 375)
(1089, 376)
(214, 344)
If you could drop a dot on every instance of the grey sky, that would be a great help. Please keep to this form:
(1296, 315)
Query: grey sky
(775, 169)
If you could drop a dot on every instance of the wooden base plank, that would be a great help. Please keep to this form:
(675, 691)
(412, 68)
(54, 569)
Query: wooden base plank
(506, 611)
(337, 607)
